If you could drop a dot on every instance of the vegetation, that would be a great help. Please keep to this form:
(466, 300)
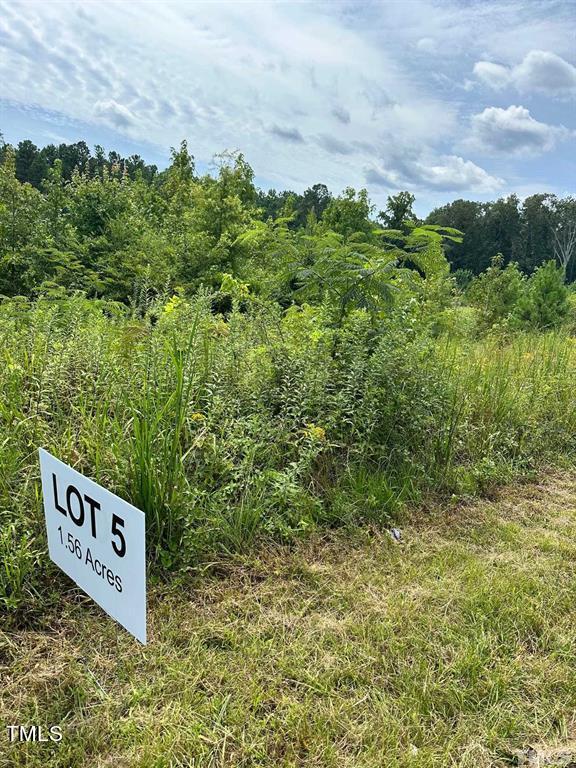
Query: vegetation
(240, 379)
(455, 647)
(542, 228)
(98, 223)
(251, 369)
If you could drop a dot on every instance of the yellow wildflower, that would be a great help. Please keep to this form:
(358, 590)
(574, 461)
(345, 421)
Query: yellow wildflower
(172, 304)
(316, 433)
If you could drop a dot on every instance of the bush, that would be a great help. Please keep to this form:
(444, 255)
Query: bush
(496, 292)
(571, 315)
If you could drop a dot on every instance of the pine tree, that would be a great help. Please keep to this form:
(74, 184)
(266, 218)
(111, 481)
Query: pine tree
(545, 305)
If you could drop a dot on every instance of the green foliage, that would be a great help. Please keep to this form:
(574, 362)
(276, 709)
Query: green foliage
(526, 233)
(239, 365)
(349, 213)
(571, 316)
(545, 304)
(103, 225)
(19, 209)
(159, 427)
(18, 560)
(313, 201)
(260, 425)
(249, 368)
(398, 210)
(496, 292)
(457, 322)
(33, 164)
(348, 276)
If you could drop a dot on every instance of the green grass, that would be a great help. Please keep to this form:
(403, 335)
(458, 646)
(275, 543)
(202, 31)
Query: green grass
(230, 433)
(270, 452)
(454, 648)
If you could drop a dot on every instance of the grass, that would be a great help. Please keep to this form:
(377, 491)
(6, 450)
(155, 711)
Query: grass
(276, 640)
(455, 647)
(261, 425)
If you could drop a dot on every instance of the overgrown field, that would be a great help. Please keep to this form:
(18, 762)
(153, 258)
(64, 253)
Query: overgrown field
(455, 647)
(259, 424)
(261, 373)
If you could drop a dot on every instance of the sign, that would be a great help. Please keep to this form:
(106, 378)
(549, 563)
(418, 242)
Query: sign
(98, 540)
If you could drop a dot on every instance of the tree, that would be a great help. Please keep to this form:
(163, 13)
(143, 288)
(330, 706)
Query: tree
(20, 226)
(270, 203)
(537, 223)
(565, 243)
(95, 202)
(545, 304)
(501, 228)
(57, 206)
(347, 276)
(31, 165)
(315, 199)
(525, 233)
(398, 210)
(467, 217)
(564, 232)
(179, 177)
(19, 207)
(267, 254)
(225, 203)
(74, 157)
(235, 190)
(349, 213)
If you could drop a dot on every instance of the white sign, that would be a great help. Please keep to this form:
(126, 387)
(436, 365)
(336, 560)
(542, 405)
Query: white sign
(98, 540)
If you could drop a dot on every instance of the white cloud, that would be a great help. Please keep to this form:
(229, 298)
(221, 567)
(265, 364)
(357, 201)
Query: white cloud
(513, 131)
(494, 75)
(545, 71)
(453, 173)
(539, 71)
(427, 45)
(447, 173)
(308, 91)
(115, 114)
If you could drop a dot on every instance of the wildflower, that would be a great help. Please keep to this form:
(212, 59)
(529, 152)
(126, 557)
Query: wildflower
(172, 304)
(314, 432)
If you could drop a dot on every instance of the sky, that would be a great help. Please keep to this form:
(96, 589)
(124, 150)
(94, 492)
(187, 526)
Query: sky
(446, 99)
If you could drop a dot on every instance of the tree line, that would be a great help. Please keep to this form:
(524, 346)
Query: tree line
(33, 164)
(104, 224)
(531, 232)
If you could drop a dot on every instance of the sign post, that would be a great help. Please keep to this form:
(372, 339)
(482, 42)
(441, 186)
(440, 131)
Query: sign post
(98, 540)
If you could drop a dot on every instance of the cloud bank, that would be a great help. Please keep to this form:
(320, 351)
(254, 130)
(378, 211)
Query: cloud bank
(309, 92)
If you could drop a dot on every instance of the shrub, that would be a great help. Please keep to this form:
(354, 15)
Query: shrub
(496, 292)
(457, 322)
(571, 315)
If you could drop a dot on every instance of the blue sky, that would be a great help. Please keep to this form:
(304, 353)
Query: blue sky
(446, 99)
